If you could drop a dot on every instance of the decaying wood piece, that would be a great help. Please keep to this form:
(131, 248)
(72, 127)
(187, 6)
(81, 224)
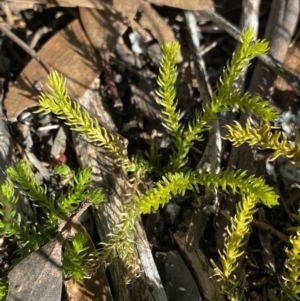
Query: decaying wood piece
(150, 282)
(106, 175)
(29, 280)
(201, 269)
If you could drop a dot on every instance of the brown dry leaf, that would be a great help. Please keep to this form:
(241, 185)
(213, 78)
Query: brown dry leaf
(104, 26)
(158, 27)
(65, 3)
(186, 4)
(183, 4)
(95, 288)
(70, 53)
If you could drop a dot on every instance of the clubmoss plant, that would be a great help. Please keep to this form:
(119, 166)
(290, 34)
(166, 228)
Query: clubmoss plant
(291, 280)
(264, 136)
(177, 176)
(74, 255)
(30, 236)
(225, 98)
(3, 287)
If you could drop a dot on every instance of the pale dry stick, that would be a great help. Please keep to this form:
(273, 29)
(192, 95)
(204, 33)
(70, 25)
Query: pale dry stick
(7, 12)
(207, 47)
(268, 60)
(38, 34)
(250, 18)
(201, 74)
(23, 45)
(213, 149)
(202, 77)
